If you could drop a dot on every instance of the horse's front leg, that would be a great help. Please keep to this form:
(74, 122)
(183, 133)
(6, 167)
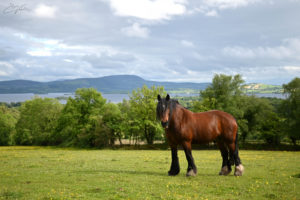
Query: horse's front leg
(175, 169)
(192, 169)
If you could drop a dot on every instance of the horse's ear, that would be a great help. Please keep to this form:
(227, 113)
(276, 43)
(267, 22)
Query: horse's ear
(158, 97)
(168, 97)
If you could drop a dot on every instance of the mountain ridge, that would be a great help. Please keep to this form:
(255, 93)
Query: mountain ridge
(105, 84)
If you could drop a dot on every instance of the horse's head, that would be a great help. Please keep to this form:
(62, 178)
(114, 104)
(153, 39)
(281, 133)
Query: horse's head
(163, 110)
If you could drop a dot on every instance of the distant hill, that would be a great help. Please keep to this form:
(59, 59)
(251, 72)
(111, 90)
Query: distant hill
(262, 88)
(106, 84)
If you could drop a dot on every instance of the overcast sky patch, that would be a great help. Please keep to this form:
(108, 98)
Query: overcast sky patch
(162, 40)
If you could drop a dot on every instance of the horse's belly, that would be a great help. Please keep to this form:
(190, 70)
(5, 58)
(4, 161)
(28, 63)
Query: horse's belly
(201, 137)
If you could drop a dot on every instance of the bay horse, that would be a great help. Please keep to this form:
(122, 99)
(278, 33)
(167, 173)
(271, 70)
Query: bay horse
(184, 127)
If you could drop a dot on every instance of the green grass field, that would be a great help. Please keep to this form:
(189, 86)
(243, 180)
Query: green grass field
(54, 173)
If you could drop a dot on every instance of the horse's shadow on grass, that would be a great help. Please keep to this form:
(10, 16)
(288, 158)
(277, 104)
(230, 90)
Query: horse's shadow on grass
(139, 172)
(120, 171)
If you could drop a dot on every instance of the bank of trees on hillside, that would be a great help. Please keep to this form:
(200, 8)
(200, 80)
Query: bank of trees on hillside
(87, 120)
(256, 117)
(291, 109)
(37, 120)
(8, 120)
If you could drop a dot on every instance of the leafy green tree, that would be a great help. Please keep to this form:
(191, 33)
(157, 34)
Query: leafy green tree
(256, 117)
(81, 119)
(112, 119)
(37, 122)
(271, 129)
(143, 106)
(130, 124)
(262, 120)
(8, 120)
(223, 93)
(291, 109)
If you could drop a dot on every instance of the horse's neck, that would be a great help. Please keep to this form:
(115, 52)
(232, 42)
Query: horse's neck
(179, 112)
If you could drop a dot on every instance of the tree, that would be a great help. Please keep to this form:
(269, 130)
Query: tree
(81, 119)
(143, 106)
(291, 109)
(223, 92)
(262, 120)
(8, 120)
(37, 122)
(130, 123)
(271, 129)
(113, 121)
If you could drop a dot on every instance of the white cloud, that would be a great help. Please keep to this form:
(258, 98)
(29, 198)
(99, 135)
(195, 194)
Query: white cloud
(198, 56)
(39, 52)
(238, 51)
(227, 4)
(136, 31)
(290, 48)
(149, 9)
(292, 69)
(212, 13)
(187, 43)
(50, 42)
(45, 11)
(211, 8)
(6, 68)
(68, 60)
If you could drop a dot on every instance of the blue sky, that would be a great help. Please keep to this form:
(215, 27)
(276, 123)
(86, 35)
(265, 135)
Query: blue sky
(161, 40)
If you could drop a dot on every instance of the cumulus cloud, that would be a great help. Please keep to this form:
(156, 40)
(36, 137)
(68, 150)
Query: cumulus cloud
(212, 8)
(136, 31)
(155, 39)
(228, 4)
(211, 13)
(39, 52)
(6, 69)
(147, 9)
(187, 43)
(292, 69)
(45, 11)
(290, 48)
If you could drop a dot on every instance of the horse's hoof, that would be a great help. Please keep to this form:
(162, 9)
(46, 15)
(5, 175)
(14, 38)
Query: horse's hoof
(191, 173)
(172, 173)
(225, 171)
(239, 170)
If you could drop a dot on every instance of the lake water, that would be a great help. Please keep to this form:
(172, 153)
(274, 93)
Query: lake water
(114, 98)
(8, 98)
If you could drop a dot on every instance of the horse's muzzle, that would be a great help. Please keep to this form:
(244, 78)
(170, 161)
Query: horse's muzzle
(165, 124)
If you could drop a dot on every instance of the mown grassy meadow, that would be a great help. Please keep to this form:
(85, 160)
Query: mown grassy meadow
(55, 173)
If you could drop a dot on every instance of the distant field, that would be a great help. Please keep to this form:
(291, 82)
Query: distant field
(258, 88)
(54, 173)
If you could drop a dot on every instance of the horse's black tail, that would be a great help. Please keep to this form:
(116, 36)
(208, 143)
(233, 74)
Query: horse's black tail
(236, 142)
(236, 156)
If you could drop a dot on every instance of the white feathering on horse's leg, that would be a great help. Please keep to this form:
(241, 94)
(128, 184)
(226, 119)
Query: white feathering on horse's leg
(239, 170)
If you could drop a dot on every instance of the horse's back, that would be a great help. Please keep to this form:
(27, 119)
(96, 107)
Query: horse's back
(214, 124)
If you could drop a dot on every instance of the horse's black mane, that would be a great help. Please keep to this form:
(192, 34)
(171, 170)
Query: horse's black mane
(171, 105)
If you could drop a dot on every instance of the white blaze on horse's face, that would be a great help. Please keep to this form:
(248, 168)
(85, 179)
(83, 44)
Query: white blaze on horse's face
(163, 111)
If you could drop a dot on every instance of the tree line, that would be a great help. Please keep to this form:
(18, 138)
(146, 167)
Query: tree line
(88, 120)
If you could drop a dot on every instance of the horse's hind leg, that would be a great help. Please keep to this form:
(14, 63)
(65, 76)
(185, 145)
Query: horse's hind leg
(174, 169)
(234, 154)
(226, 167)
